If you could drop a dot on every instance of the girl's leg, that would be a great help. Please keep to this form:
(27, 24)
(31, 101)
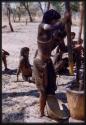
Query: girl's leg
(42, 103)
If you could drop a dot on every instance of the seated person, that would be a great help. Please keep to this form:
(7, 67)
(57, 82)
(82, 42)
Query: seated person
(4, 56)
(77, 56)
(24, 65)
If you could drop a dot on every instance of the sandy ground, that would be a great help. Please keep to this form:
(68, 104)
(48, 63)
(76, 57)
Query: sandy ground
(20, 100)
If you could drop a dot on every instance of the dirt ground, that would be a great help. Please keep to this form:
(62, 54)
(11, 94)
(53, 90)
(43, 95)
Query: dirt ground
(20, 100)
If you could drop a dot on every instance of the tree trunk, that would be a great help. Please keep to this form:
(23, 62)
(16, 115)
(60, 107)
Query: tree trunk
(81, 20)
(19, 14)
(84, 70)
(27, 8)
(68, 29)
(14, 15)
(8, 14)
(48, 6)
(31, 20)
(41, 7)
(13, 18)
(81, 84)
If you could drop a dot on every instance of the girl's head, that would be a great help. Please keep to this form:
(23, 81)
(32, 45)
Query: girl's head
(51, 17)
(24, 52)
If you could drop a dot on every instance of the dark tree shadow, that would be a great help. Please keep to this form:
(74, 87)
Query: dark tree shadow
(13, 117)
(16, 94)
(8, 104)
(72, 84)
(10, 72)
(62, 96)
(16, 31)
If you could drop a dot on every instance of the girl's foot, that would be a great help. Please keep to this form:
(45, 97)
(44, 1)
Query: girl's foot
(42, 114)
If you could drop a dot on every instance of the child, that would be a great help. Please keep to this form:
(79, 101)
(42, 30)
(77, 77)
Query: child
(59, 63)
(4, 55)
(77, 47)
(24, 65)
(45, 77)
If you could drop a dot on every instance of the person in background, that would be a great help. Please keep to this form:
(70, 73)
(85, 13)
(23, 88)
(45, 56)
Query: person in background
(24, 65)
(4, 59)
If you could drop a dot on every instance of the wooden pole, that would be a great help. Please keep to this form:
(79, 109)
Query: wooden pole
(68, 30)
(81, 19)
(81, 6)
(84, 70)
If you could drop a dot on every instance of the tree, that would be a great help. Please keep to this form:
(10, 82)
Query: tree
(19, 13)
(81, 6)
(75, 6)
(41, 7)
(26, 5)
(81, 9)
(9, 16)
(14, 14)
(47, 6)
(58, 5)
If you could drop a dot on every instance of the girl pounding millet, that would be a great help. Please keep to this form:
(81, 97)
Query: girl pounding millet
(45, 77)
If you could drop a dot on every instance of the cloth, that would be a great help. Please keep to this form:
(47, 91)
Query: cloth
(45, 77)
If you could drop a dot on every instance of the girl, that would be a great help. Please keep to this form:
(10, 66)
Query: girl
(48, 38)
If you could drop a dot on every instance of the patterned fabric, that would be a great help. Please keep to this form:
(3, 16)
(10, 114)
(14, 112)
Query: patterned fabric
(45, 77)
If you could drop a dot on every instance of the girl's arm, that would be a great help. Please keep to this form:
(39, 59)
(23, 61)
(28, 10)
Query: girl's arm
(49, 27)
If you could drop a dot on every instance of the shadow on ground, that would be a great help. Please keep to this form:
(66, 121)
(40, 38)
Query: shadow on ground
(16, 94)
(62, 96)
(10, 72)
(14, 117)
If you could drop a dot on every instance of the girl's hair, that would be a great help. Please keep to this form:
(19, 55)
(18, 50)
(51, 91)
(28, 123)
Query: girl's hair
(50, 15)
(23, 51)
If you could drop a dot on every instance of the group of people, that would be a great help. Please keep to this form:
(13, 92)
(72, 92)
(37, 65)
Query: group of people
(51, 34)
